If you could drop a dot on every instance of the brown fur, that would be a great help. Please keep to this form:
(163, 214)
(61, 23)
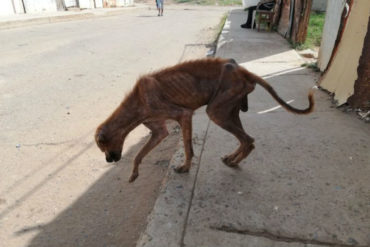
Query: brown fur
(175, 93)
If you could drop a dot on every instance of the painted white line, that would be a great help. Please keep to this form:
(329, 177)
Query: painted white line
(274, 108)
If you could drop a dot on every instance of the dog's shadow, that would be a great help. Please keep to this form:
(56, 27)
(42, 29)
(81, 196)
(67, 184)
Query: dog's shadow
(108, 212)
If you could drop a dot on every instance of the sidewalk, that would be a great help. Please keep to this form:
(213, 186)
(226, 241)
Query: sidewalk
(21, 20)
(306, 183)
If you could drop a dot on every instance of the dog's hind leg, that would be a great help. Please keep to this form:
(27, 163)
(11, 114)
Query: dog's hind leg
(229, 120)
(159, 132)
(186, 126)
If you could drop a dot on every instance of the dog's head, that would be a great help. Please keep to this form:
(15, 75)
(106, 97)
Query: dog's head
(109, 143)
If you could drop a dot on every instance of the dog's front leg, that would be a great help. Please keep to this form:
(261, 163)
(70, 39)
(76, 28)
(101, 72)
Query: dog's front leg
(186, 126)
(159, 132)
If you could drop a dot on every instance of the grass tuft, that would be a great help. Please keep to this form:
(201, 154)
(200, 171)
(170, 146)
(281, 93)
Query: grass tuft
(314, 31)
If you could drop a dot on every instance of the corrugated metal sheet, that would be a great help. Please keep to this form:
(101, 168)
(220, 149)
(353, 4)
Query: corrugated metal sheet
(285, 18)
(330, 32)
(342, 72)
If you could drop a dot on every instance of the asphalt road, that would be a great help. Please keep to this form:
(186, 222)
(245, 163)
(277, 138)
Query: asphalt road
(57, 83)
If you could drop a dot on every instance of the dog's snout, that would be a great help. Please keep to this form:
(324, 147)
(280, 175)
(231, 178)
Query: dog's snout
(113, 156)
(108, 158)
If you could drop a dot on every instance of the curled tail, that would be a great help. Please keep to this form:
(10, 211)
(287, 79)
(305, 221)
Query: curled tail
(269, 89)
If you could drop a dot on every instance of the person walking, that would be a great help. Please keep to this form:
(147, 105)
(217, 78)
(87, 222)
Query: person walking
(160, 7)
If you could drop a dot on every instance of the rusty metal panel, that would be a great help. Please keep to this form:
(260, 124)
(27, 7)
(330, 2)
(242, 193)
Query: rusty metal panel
(284, 23)
(342, 72)
(361, 96)
(330, 31)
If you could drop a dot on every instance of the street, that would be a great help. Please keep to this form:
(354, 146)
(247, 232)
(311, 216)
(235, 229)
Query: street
(57, 83)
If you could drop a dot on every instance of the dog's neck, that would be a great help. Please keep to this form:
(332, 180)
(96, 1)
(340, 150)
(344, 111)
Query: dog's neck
(127, 116)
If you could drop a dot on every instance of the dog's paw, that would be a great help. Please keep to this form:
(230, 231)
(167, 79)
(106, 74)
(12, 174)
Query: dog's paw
(227, 160)
(133, 177)
(181, 169)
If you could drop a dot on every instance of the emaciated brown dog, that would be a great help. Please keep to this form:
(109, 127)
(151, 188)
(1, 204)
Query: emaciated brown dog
(175, 93)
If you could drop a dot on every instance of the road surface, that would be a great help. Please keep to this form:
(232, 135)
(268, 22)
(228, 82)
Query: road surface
(57, 83)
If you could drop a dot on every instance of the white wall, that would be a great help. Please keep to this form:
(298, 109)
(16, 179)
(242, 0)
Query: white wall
(18, 6)
(36, 6)
(248, 3)
(330, 32)
(124, 2)
(86, 4)
(99, 3)
(6, 7)
(70, 3)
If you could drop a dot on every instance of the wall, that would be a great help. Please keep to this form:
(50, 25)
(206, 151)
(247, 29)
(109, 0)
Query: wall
(86, 4)
(18, 6)
(361, 96)
(70, 3)
(342, 73)
(125, 2)
(6, 7)
(330, 31)
(36, 6)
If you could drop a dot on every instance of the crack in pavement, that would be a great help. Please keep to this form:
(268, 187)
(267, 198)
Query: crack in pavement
(182, 244)
(262, 233)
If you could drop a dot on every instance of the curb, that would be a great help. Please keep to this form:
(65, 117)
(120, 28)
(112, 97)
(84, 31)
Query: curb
(168, 219)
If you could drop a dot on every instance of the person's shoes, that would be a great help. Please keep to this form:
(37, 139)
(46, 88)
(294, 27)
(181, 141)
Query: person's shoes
(245, 25)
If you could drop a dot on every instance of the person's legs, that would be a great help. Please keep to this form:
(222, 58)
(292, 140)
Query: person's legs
(248, 24)
(249, 18)
(161, 8)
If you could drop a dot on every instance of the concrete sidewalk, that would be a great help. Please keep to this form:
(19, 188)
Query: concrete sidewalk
(306, 183)
(21, 20)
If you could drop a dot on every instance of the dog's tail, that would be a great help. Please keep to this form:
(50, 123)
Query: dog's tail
(269, 89)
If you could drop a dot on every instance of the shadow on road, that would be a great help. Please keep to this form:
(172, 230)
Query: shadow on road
(112, 212)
